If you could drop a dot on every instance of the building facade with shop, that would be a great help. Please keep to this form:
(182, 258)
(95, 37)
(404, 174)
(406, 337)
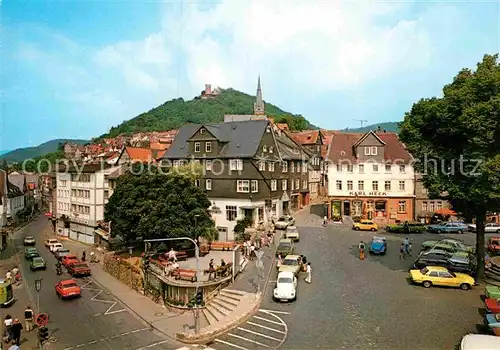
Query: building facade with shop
(426, 207)
(370, 176)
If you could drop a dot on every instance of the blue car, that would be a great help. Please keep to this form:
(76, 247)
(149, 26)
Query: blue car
(448, 227)
(378, 245)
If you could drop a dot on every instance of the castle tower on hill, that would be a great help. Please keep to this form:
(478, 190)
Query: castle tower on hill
(258, 106)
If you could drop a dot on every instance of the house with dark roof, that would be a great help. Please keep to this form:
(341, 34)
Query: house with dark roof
(251, 169)
(16, 194)
(3, 198)
(370, 176)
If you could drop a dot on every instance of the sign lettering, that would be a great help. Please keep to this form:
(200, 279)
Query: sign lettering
(368, 194)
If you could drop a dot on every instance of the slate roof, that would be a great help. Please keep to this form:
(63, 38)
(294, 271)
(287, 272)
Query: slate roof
(341, 147)
(288, 148)
(240, 139)
(18, 180)
(86, 168)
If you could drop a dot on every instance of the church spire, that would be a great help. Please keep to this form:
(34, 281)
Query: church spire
(258, 106)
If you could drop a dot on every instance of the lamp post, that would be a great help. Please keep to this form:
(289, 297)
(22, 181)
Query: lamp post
(38, 287)
(197, 256)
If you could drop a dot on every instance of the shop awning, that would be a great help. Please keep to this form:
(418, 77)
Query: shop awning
(105, 235)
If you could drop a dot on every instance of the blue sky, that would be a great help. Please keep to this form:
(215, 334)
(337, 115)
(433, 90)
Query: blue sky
(73, 69)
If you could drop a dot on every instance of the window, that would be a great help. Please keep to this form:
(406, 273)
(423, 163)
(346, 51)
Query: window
(361, 185)
(270, 166)
(374, 151)
(439, 205)
(264, 148)
(375, 168)
(361, 168)
(375, 185)
(339, 168)
(274, 185)
(292, 185)
(431, 206)
(369, 206)
(271, 149)
(387, 185)
(297, 167)
(243, 186)
(231, 212)
(402, 207)
(73, 193)
(235, 164)
(339, 185)
(196, 146)
(402, 168)
(424, 206)
(208, 184)
(285, 166)
(304, 184)
(208, 147)
(254, 186)
(262, 165)
(297, 184)
(387, 168)
(350, 168)
(367, 151)
(349, 185)
(268, 129)
(292, 168)
(371, 151)
(64, 183)
(401, 185)
(284, 185)
(197, 182)
(106, 194)
(318, 148)
(433, 274)
(304, 167)
(208, 165)
(202, 131)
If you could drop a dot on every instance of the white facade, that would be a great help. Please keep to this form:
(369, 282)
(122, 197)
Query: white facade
(15, 205)
(371, 179)
(314, 182)
(82, 199)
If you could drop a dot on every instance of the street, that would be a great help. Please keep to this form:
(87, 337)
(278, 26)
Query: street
(95, 321)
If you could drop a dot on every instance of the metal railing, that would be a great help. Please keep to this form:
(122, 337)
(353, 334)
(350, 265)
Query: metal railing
(214, 293)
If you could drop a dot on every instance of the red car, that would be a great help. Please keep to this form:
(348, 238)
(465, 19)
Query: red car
(494, 245)
(492, 305)
(78, 269)
(68, 289)
(69, 259)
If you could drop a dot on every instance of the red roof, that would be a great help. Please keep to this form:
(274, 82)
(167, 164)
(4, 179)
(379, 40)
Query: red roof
(308, 137)
(282, 126)
(341, 147)
(139, 154)
(158, 146)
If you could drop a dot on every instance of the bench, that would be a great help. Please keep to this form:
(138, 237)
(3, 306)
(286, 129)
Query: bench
(224, 271)
(204, 249)
(186, 274)
(222, 245)
(182, 255)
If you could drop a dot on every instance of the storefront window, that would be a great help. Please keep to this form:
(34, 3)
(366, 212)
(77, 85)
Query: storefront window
(356, 208)
(369, 206)
(380, 205)
(336, 205)
(402, 207)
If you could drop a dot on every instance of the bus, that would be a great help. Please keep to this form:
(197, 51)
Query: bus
(6, 293)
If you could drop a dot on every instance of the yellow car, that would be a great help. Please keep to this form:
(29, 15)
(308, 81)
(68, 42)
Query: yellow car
(440, 276)
(365, 225)
(290, 264)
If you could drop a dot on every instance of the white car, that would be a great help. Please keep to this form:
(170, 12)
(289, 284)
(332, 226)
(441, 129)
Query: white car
(492, 227)
(283, 222)
(292, 233)
(286, 287)
(55, 247)
(479, 342)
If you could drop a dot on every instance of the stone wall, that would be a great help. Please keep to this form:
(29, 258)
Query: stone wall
(123, 271)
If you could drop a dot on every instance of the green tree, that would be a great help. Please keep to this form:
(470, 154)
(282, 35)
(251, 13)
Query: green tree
(4, 165)
(41, 164)
(456, 139)
(159, 204)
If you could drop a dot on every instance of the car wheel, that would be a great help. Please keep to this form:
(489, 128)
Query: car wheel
(427, 284)
(465, 286)
(498, 231)
(438, 231)
(460, 232)
(373, 229)
(356, 229)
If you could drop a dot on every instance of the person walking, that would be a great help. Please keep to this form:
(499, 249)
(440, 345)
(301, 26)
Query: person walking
(84, 255)
(28, 318)
(361, 248)
(280, 260)
(402, 251)
(309, 271)
(325, 220)
(406, 244)
(17, 327)
(7, 325)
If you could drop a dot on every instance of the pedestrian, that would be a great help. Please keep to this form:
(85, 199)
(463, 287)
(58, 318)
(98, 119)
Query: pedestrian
(15, 274)
(325, 220)
(92, 256)
(402, 251)
(7, 324)
(309, 271)
(361, 248)
(8, 277)
(17, 327)
(245, 249)
(83, 255)
(171, 255)
(14, 346)
(406, 243)
(280, 260)
(252, 251)
(28, 318)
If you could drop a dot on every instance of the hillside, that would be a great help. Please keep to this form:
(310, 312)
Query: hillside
(172, 114)
(21, 154)
(388, 126)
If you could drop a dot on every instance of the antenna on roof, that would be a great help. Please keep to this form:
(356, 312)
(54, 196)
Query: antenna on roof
(362, 121)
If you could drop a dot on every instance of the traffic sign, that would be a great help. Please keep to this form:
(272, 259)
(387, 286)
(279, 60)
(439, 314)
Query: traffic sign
(42, 320)
(38, 285)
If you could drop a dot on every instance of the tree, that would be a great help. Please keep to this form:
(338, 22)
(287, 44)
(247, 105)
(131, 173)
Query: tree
(159, 204)
(456, 142)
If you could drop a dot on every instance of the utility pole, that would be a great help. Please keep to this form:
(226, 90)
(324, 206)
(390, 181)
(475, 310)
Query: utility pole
(362, 121)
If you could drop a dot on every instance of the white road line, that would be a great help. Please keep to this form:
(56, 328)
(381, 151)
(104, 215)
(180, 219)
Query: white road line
(154, 344)
(183, 348)
(268, 328)
(108, 338)
(270, 321)
(259, 334)
(276, 312)
(230, 344)
(248, 340)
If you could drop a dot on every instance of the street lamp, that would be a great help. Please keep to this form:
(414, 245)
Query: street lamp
(38, 287)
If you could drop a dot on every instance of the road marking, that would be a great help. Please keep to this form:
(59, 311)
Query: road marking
(259, 334)
(268, 328)
(154, 344)
(108, 338)
(270, 321)
(95, 298)
(275, 312)
(230, 344)
(248, 340)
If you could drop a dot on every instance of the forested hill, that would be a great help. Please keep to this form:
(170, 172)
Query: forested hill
(172, 114)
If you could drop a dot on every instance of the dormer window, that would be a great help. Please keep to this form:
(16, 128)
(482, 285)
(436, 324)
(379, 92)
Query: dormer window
(371, 151)
(264, 148)
(268, 129)
(196, 146)
(208, 147)
(202, 131)
(270, 149)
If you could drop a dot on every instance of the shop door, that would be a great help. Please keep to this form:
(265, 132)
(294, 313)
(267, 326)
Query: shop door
(347, 208)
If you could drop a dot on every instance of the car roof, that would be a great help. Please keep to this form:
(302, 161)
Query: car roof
(436, 268)
(29, 237)
(285, 240)
(379, 238)
(53, 239)
(70, 256)
(480, 342)
(67, 281)
(286, 274)
(37, 258)
(292, 256)
(289, 227)
(495, 238)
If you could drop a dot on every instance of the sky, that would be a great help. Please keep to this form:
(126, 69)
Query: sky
(73, 69)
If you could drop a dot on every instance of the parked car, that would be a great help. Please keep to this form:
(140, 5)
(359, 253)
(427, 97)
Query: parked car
(68, 289)
(61, 252)
(407, 227)
(293, 233)
(365, 225)
(480, 342)
(492, 292)
(285, 247)
(283, 222)
(440, 276)
(29, 241)
(50, 242)
(55, 247)
(69, 259)
(290, 264)
(448, 244)
(78, 269)
(37, 263)
(493, 322)
(452, 262)
(494, 245)
(448, 227)
(492, 305)
(30, 253)
(491, 227)
(378, 245)
(286, 287)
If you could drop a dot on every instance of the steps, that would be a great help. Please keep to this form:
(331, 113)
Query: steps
(222, 305)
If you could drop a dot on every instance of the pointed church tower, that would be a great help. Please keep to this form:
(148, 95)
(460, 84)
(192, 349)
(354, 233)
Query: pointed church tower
(258, 106)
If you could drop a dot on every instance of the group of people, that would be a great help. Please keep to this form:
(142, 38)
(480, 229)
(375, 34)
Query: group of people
(13, 328)
(404, 250)
(13, 275)
(249, 250)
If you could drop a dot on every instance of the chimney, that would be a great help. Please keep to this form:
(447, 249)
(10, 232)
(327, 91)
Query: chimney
(379, 128)
(385, 131)
(208, 89)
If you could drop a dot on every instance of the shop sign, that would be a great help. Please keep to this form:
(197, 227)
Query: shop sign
(368, 194)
